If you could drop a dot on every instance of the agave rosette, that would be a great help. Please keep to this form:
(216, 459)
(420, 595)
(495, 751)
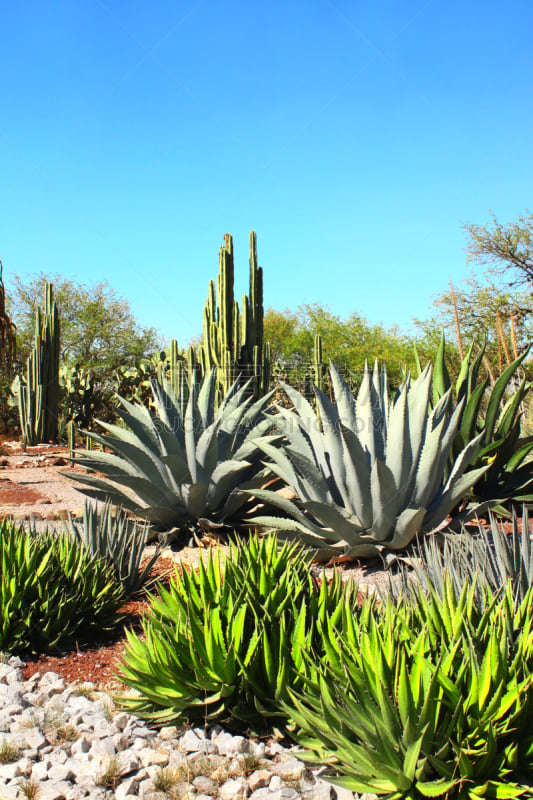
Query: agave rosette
(370, 475)
(187, 463)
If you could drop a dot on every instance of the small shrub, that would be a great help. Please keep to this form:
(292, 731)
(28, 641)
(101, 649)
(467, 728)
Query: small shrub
(166, 780)
(29, 788)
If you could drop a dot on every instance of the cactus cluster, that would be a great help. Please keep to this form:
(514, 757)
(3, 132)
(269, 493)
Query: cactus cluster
(38, 394)
(233, 338)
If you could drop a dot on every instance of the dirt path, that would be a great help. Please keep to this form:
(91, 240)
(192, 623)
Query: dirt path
(32, 486)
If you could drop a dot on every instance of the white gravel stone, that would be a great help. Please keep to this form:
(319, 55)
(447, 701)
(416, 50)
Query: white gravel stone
(80, 746)
(234, 789)
(34, 738)
(205, 785)
(66, 771)
(120, 720)
(290, 770)
(61, 772)
(229, 745)
(259, 779)
(126, 789)
(155, 757)
(189, 742)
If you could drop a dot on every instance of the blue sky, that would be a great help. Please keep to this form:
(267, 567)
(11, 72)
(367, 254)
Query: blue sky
(355, 138)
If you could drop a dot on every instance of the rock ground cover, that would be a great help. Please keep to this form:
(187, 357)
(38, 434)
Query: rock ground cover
(64, 742)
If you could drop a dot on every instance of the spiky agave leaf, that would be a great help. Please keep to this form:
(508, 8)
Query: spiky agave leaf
(183, 463)
(372, 475)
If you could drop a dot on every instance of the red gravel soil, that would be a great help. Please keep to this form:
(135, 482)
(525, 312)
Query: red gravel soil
(98, 661)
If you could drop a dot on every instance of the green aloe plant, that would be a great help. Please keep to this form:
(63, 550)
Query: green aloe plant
(184, 465)
(428, 698)
(225, 643)
(108, 534)
(370, 475)
(496, 413)
(52, 591)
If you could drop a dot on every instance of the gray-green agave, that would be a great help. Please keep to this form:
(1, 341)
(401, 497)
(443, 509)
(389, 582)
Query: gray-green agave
(187, 463)
(110, 535)
(369, 475)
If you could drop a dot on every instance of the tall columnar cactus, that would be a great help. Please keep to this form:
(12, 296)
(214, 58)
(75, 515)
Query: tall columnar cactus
(233, 338)
(318, 366)
(38, 395)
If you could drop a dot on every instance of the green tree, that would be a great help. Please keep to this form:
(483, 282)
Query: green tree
(347, 342)
(98, 329)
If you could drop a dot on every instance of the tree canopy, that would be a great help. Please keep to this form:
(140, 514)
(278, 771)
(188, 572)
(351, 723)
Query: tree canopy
(98, 328)
(507, 248)
(347, 342)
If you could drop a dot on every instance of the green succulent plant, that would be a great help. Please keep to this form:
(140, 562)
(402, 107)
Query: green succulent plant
(224, 644)
(428, 698)
(52, 591)
(369, 476)
(109, 534)
(495, 413)
(186, 464)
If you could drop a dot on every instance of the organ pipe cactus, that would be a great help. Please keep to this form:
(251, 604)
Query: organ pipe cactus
(232, 341)
(369, 476)
(38, 394)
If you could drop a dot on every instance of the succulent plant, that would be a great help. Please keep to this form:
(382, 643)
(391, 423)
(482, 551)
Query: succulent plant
(38, 392)
(428, 698)
(225, 643)
(490, 558)
(108, 534)
(369, 475)
(496, 413)
(187, 464)
(52, 591)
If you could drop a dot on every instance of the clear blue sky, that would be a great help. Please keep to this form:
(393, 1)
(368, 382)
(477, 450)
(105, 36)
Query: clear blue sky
(355, 138)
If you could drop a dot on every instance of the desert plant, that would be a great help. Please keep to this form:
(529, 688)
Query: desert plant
(109, 534)
(9, 751)
(38, 393)
(83, 396)
(496, 414)
(110, 774)
(369, 476)
(425, 699)
(188, 465)
(226, 643)
(52, 591)
(232, 339)
(488, 557)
